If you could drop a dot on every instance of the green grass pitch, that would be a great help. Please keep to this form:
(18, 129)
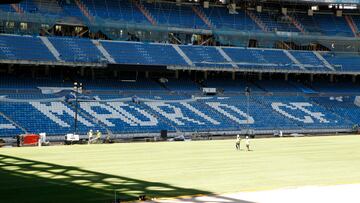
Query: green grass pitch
(91, 173)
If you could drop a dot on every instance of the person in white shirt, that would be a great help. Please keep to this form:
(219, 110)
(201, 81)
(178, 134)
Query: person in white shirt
(238, 139)
(247, 143)
(90, 136)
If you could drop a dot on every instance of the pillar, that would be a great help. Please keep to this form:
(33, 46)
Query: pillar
(33, 73)
(47, 70)
(82, 71)
(92, 74)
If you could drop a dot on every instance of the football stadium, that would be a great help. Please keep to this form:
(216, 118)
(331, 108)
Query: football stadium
(179, 101)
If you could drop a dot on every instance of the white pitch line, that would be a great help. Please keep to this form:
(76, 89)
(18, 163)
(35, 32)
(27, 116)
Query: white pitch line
(309, 194)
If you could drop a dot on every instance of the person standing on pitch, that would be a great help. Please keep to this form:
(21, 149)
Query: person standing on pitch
(247, 143)
(90, 136)
(98, 136)
(238, 139)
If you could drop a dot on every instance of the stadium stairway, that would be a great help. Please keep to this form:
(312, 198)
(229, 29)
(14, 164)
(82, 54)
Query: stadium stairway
(51, 47)
(227, 57)
(182, 54)
(199, 12)
(84, 10)
(293, 59)
(296, 23)
(324, 61)
(145, 12)
(104, 52)
(352, 25)
(17, 8)
(13, 124)
(257, 20)
(275, 22)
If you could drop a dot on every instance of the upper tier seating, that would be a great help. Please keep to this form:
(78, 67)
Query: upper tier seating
(174, 16)
(309, 60)
(205, 56)
(49, 7)
(183, 16)
(6, 8)
(326, 24)
(124, 11)
(276, 22)
(250, 58)
(142, 53)
(344, 61)
(221, 18)
(23, 48)
(77, 50)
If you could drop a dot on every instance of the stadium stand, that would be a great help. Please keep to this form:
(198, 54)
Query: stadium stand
(232, 85)
(7, 128)
(124, 11)
(263, 58)
(172, 15)
(184, 16)
(343, 61)
(164, 91)
(276, 22)
(143, 54)
(76, 50)
(205, 56)
(221, 18)
(342, 106)
(23, 48)
(121, 114)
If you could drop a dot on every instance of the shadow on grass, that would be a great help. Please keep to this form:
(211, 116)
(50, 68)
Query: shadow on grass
(23, 180)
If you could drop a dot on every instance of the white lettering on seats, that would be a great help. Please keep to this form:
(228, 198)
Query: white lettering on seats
(299, 106)
(177, 116)
(56, 109)
(201, 114)
(106, 114)
(119, 107)
(7, 126)
(220, 108)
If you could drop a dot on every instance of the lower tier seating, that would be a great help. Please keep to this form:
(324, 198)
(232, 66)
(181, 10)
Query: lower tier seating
(126, 115)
